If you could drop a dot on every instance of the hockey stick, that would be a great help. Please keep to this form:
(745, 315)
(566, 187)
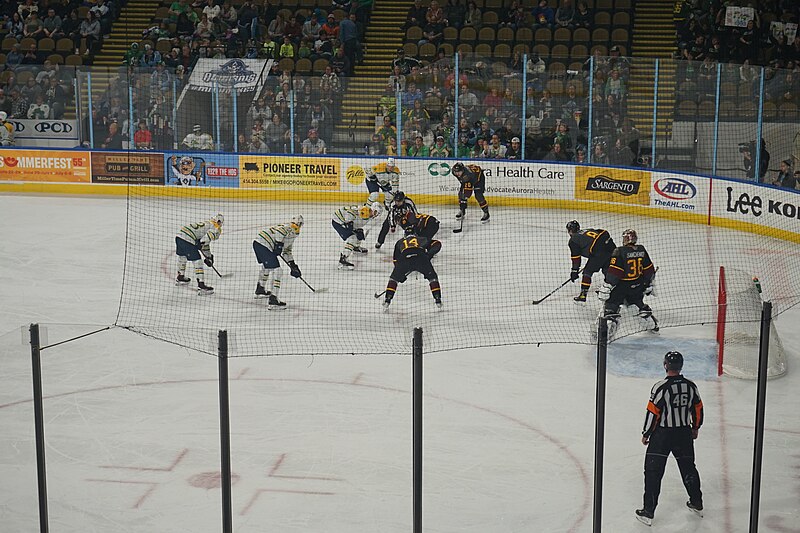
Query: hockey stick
(460, 228)
(225, 275)
(537, 302)
(379, 294)
(324, 289)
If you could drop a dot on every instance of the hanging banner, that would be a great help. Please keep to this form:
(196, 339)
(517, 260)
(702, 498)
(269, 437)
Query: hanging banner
(45, 165)
(226, 75)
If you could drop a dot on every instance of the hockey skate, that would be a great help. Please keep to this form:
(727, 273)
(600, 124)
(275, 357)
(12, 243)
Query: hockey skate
(360, 250)
(485, 217)
(649, 321)
(697, 509)
(644, 516)
(460, 214)
(182, 280)
(275, 304)
(261, 292)
(202, 288)
(581, 298)
(386, 303)
(378, 245)
(344, 264)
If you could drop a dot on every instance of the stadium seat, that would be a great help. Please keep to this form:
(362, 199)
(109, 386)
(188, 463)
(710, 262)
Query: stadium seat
(499, 68)
(602, 18)
(603, 5)
(467, 35)
(486, 35)
(622, 5)
(319, 65)
(621, 19)
(581, 35)
(788, 110)
(414, 34)
(47, 45)
(543, 36)
(8, 43)
(502, 51)
(542, 50)
(74, 60)
(706, 109)
(162, 13)
(579, 51)
(727, 109)
(727, 89)
(560, 51)
(163, 46)
(411, 49)
(448, 49)
(557, 70)
(522, 48)
(505, 35)
(600, 35)
(493, 4)
(303, 66)
(26, 43)
(464, 48)
(602, 48)
(562, 35)
(56, 59)
(490, 18)
(770, 110)
(287, 63)
(427, 51)
(523, 36)
(687, 108)
(619, 36)
(483, 50)
(556, 87)
(450, 35)
(24, 76)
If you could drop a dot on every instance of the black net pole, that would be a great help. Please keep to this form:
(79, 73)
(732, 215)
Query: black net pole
(225, 434)
(761, 407)
(599, 423)
(416, 362)
(38, 414)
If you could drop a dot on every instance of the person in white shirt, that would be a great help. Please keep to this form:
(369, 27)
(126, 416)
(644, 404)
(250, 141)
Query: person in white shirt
(211, 10)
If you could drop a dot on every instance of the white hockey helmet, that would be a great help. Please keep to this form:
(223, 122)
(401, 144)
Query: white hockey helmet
(390, 162)
(296, 223)
(218, 219)
(3, 116)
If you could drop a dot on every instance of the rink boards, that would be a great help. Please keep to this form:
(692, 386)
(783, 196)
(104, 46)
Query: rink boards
(743, 206)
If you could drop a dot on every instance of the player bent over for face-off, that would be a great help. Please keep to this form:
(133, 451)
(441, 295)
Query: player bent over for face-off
(190, 242)
(423, 225)
(272, 242)
(628, 280)
(410, 255)
(596, 246)
(349, 222)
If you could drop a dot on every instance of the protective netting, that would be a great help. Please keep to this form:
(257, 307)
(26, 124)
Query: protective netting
(741, 331)
(489, 274)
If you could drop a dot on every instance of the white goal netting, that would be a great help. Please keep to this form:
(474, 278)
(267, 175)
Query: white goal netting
(740, 305)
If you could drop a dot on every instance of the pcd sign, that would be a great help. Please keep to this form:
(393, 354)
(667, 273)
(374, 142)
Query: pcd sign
(46, 127)
(675, 188)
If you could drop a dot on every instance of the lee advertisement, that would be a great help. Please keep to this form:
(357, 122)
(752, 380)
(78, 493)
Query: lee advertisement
(503, 178)
(128, 167)
(765, 206)
(45, 165)
(292, 173)
(201, 169)
(614, 185)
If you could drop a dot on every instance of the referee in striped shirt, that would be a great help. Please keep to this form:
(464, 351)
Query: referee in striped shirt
(674, 416)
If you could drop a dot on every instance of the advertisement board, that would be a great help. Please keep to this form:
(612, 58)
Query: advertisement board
(45, 165)
(145, 168)
(681, 193)
(291, 173)
(45, 133)
(614, 185)
(201, 169)
(765, 206)
(510, 179)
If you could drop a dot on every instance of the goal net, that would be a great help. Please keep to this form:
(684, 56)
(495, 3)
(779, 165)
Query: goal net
(739, 328)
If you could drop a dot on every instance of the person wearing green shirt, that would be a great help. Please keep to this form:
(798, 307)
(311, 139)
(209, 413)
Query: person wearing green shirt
(287, 48)
(418, 149)
(439, 148)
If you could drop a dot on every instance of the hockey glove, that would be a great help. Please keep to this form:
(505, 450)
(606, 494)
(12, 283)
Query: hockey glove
(392, 228)
(605, 292)
(649, 290)
(209, 260)
(294, 270)
(278, 248)
(359, 233)
(574, 275)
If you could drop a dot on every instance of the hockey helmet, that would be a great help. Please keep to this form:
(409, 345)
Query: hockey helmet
(573, 226)
(458, 168)
(390, 163)
(629, 237)
(296, 223)
(3, 116)
(408, 220)
(673, 360)
(217, 220)
(365, 212)
(399, 197)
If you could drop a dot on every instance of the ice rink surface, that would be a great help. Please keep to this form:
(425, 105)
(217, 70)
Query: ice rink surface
(323, 444)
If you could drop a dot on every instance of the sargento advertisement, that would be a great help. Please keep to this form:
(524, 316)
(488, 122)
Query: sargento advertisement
(297, 173)
(128, 167)
(45, 165)
(616, 185)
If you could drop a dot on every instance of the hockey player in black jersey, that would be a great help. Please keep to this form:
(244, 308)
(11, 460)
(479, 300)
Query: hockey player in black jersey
(422, 225)
(400, 205)
(410, 255)
(594, 244)
(628, 279)
(472, 180)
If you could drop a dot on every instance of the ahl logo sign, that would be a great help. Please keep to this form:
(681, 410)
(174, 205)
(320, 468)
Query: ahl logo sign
(602, 183)
(675, 189)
